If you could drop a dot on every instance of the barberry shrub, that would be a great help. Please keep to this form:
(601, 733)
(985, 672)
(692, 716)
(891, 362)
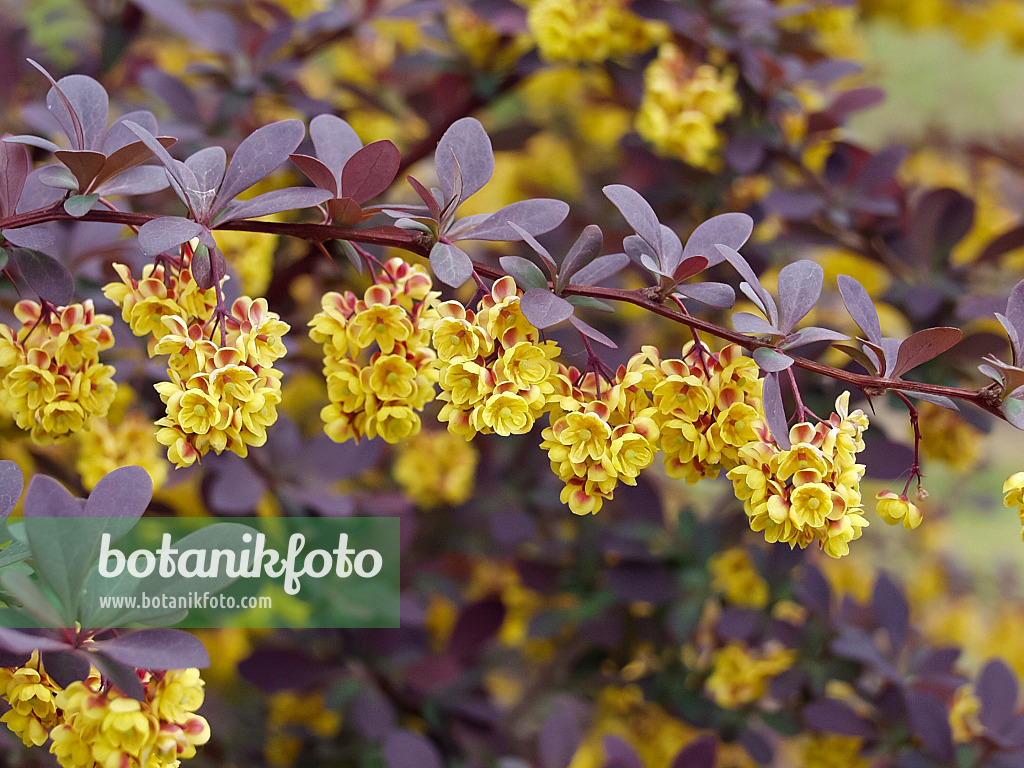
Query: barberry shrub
(629, 538)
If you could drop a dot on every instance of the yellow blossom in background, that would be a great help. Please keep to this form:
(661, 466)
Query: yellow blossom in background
(291, 715)
(590, 30)
(684, 101)
(945, 436)
(835, 27)
(740, 676)
(963, 715)
(436, 468)
(1013, 491)
(251, 256)
(833, 751)
(734, 575)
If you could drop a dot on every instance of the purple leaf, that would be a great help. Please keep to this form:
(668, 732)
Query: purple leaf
(856, 99)
(14, 168)
(866, 359)
(618, 753)
(535, 216)
(275, 201)
(428, 199)
(280, 669)
(559, 738)
(591, 332)
(587, 247)
(689, 267)
(11, 484)
(757, 745)
(257, 156)
(861, 307)
(91, 105)
(317, 172)
(941, 218)
(370, 171)
(812, 335)
(32, 141)
(180, 174)
(407, 749)
(125, 492)
(929, 721)
(335, 142)
(775, 411)
(477, 625)
(745, 322)
(835, 716)
(997, 689)
(466, 142)
(924, 346)
(48, 498)
(526, 274)
(1013, 410)
(713, 294)
(127, 157)
(543, 309)
(637, 211)
(1010, 240)
(939, 400)
(157, 649)
(881, 168)
(793, 205)
(539, 249)
(450, 264)
(118, 136)
(813, 590)
(670, 256)
(1015, 309)
(770, 360)
(50, 279)
(731, 229)
(58, 176)
(166, 233)
(799, 289)
(123, 676)
(65, 668)
(891, 610)
(372, 714)
(740, 265)
(600, 269)
(141, 180)
(16, 641)
(702, 752)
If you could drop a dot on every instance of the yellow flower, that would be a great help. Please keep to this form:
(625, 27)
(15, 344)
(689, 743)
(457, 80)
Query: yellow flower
(733, 574)
(390, 377)
(964, 714)
(739, 676)
(811, 504)
(436, 468)
(833, 751)
(505, 412)
(894, 509)
(590, 30)
(381, 324)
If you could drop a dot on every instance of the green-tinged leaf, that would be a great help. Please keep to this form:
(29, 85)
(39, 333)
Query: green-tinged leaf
(526, 274)
(589, 302)
(15, 552)
(45, 275)
(20, 585)
(858, 355)
(1013, 410)
(352, 255)
(4, 255)
(771, 360)
(79, 205)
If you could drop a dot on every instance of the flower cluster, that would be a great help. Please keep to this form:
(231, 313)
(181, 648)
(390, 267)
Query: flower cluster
(740, 675)
(590, 30)
(1013, 495)
(51, 379)
(896, 509)
(600, 436)
(91, 725)
(496, 375)
(436, 468)
(810, 491)
(706, 410)
(103, 727)
(683, 104)
(735, 577)
(378, 362)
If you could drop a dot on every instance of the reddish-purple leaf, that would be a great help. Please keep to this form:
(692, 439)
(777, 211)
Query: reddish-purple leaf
(275, 201)
(861, 307)
(344, 211)
(702, 752)
(157, 649)
(90, 104)
(637, 211)
(775, 411)
(259, 154)
(207, 165)
(941, 219)
(123, 676)
(335, 142)
(811, 335)
(370, 171)
(50, 279)
(813, 590)
(891, 610)
(125, 158)
(731, 229)
(278, 669)
(923, 346)
(856, 99)
(17, 641)
(1015, 309)
(526, 274)
(713, 294)
(690, 267)
(141, 180)
(477, 625)
(166, 233)
(591, 332)
(425, 195)
(408, 749)
(559, 738)
(317, 172)
(881, 168)
(799, 288)
(770, 360)
(65, 668)
(587, 247)
(468, 142)
(11, 484)
(600, 269)
(539, 249)
(124, 492)
(745, 322)
(998, 691)
(179, 172)
(450, 264)
(543, 309)
(1010, 240)
(118, 136)
(536, 216)
(860, 356)
(796, 205)
(14, 168)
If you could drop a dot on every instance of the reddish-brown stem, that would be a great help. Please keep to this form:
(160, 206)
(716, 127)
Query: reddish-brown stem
(802, 411)
(915, 470)
(698, 345)
(371, 263)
